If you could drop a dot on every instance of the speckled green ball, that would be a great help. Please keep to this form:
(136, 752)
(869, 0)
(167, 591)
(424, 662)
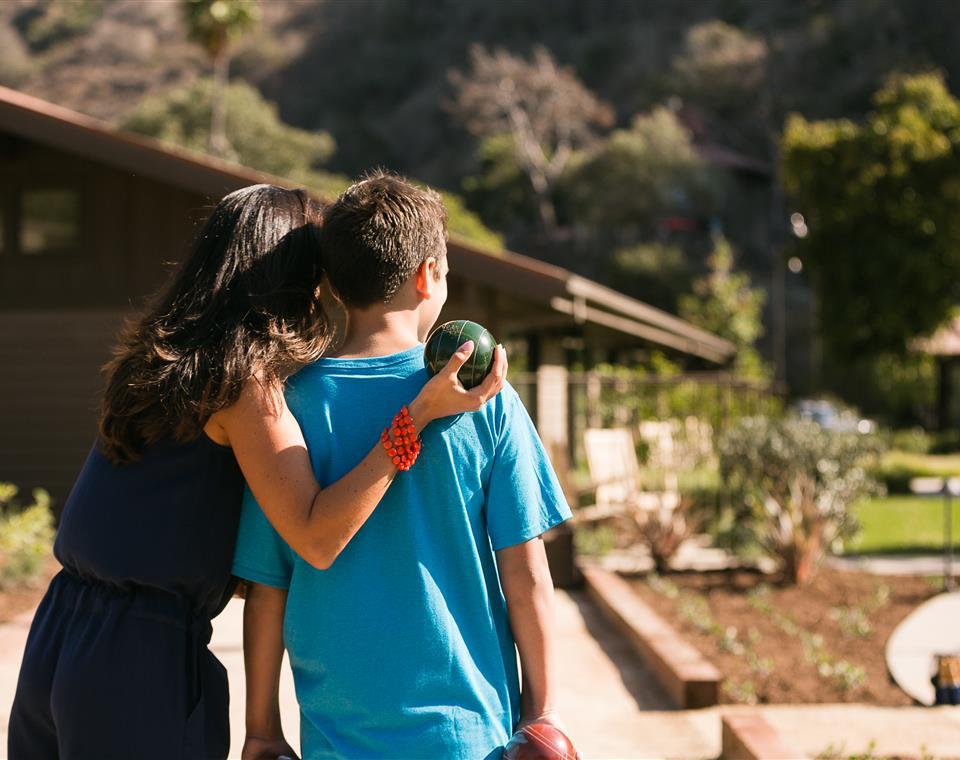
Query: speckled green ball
(448, 337)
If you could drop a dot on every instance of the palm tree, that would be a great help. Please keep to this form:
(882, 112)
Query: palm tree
(215, 25)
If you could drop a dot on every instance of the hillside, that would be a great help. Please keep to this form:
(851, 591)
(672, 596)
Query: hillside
(374, 74)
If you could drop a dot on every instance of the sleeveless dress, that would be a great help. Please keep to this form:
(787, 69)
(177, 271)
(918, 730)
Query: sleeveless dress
(116, 665)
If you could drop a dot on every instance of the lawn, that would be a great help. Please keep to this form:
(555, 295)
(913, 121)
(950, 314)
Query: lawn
(928, 464)
(903, 524)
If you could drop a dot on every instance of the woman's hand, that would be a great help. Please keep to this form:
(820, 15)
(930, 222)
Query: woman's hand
(257, 748)
(443, 395)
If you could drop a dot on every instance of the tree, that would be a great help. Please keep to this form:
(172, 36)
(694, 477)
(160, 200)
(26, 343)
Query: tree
(881, 202)
(256, 136)
(544, 107)
(499, 189)
(725, 303)
(15, 64)
(721, 65)
(639, 175)
(215, 25)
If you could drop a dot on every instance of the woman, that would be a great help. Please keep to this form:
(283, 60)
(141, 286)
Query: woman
(116, 664)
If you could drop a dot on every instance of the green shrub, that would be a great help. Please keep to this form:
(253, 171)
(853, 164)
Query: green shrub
(26, 536)
(916, 440)
(797, 482)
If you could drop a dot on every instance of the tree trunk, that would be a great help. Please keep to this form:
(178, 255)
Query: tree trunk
(548, 214)
(801, 562)
(217, 145)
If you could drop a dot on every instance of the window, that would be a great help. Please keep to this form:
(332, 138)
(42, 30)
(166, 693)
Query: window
(49, 221)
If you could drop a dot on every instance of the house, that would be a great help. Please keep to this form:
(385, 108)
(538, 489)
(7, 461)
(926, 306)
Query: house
(91, 221)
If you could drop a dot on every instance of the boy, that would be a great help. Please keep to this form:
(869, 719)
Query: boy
(404, 647)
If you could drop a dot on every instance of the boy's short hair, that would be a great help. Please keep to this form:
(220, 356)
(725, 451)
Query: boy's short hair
(376, 234)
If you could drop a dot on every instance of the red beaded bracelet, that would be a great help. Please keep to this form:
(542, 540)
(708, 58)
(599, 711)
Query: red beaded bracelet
(401, 441)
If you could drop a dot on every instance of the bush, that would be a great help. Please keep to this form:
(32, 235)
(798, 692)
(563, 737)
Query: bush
(26, 536)
(916, 440)
(797, 482)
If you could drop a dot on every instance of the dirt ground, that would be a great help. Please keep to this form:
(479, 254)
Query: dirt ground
(777, 644)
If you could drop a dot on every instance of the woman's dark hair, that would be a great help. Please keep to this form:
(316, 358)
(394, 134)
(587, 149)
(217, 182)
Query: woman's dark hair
(243, 305)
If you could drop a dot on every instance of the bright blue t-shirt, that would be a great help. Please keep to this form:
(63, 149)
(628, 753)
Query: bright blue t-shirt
(402, 648)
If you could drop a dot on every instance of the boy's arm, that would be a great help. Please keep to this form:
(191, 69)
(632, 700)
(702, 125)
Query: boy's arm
(528, 588)
(262, 657)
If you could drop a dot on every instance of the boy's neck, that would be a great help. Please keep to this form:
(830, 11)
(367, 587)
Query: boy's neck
(378, 332)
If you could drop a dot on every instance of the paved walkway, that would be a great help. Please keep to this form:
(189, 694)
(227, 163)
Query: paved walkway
(896, 564)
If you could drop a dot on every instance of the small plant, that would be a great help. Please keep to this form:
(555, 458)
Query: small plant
(881, 597)
(662, 586)
(839, 752)
(728, 641)
(853, 621)
(26, 535)
(664, 530)
(743, 692)
(695, 610)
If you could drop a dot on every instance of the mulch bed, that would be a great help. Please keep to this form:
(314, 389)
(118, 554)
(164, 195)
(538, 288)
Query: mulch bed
(803, 668)
(18, 599)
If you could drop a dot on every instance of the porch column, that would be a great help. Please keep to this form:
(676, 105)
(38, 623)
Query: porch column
(552, 392)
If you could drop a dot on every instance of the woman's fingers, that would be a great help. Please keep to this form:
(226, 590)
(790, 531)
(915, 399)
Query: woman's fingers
(458, 359)
(493, 383)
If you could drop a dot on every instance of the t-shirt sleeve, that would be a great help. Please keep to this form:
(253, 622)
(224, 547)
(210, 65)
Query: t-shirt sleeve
(524, 498)
(261, 555)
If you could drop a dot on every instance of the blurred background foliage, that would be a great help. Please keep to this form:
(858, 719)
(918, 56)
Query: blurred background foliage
(697, 123)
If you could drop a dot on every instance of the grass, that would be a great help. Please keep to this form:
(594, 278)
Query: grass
(932, 464)
(903, 524)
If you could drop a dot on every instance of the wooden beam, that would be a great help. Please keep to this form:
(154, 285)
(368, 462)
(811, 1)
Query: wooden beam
(632, 327)
(580, 286)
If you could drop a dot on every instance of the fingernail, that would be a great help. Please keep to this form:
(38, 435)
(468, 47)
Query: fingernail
(466, 346)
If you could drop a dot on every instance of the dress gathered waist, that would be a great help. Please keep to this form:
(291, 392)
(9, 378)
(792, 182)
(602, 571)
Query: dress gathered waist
(78, 591)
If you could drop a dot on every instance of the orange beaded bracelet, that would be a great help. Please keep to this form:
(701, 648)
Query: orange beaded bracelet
(401, 441)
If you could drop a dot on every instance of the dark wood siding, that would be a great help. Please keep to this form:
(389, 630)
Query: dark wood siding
(49, 392)
(130, 228)
(59, 314)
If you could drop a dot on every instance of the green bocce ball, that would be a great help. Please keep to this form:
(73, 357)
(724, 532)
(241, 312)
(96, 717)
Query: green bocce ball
(447, 338)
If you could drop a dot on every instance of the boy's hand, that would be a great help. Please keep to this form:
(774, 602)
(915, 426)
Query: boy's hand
(258, 748)
(443, 395)
(547, 716)
(551, 717)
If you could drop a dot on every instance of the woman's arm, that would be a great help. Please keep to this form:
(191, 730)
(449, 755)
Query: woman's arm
(268, 444)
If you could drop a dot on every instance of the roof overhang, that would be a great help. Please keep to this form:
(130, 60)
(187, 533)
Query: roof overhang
(585, 301)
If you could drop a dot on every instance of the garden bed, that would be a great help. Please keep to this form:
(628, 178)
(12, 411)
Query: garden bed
(777, 644)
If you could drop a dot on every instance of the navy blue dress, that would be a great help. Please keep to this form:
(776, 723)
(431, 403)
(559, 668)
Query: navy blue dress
(116, 665)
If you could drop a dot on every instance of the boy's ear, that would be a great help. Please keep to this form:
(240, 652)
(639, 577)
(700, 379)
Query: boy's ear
(426, 277)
